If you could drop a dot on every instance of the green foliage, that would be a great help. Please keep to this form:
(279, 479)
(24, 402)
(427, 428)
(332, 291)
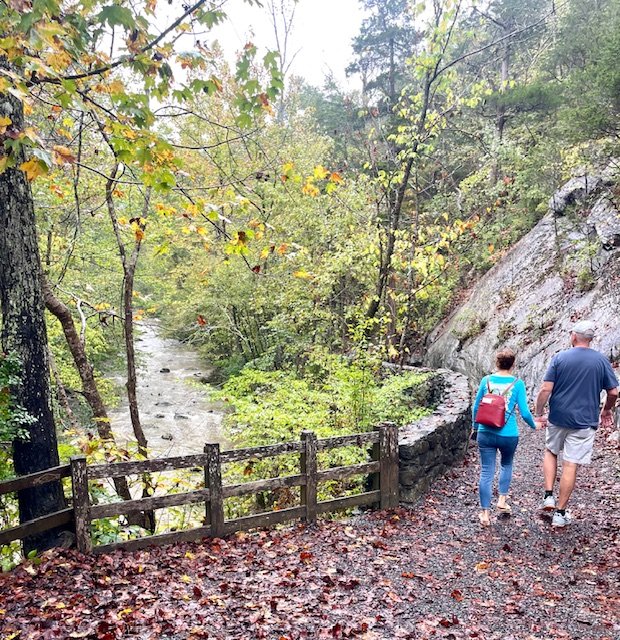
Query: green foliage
(10, 556)
(13, 417)
(336, 397)
(471, 327)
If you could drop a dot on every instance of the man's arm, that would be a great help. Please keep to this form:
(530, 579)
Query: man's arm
(612, 396)
(607, 418)
(541, 400)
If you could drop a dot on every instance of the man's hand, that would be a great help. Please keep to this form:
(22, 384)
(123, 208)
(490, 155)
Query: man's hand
(541, 422)
(606, 418)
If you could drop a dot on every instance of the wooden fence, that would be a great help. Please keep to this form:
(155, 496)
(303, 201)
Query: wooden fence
(384, 492)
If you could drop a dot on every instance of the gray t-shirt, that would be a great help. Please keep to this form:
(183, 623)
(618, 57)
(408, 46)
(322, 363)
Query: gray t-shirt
(578, 375)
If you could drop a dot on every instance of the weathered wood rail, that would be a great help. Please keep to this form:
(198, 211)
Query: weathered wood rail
(383, 468)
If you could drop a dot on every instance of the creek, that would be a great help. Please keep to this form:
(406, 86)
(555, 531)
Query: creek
(176, 411)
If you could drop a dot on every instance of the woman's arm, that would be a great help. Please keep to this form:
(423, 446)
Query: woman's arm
(481, 391)
(524, 410)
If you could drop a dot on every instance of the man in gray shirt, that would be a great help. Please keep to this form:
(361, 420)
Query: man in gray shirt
(573, 384)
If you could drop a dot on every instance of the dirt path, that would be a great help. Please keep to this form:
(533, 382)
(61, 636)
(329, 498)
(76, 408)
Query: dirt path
(427, 572)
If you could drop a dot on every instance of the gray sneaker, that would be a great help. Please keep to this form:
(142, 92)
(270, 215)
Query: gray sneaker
(560, 520)
(549, 504)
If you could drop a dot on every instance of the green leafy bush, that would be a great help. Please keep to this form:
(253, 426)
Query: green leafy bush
(335, 398)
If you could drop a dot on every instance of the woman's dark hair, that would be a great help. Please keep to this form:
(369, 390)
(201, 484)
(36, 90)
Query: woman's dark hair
(504, 359)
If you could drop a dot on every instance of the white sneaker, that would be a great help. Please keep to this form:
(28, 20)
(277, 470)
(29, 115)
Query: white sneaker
(549, 504)
(560, 520)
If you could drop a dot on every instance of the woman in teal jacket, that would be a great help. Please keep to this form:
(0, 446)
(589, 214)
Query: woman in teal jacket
(505, 440)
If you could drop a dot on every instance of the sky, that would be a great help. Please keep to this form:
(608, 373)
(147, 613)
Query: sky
(322, 34)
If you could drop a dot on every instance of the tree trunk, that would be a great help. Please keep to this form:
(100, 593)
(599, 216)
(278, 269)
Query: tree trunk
(129, 270)
(24, 333)
(78, 352)
(89, 387)
(396, 204)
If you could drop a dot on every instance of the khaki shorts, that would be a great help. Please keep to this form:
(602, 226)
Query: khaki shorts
(575, 444)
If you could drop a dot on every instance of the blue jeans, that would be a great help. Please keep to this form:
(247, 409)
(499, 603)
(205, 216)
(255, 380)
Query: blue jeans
(489, 444)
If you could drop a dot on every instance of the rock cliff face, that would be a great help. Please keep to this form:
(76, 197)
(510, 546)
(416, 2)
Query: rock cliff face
(566, 269)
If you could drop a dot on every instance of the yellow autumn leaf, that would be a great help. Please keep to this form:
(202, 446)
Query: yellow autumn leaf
(55, 189)
(320, 172)
(58, 60)
(33, 168)
(201, 231)
(122, 221)
(63, 155)
(302, 274)
(491, 248)
(310, 190)
(186, 579)
(4, 123)
(161, 250)
(393, 351)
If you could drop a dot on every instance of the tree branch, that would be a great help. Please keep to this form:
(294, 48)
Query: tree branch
(125, 59)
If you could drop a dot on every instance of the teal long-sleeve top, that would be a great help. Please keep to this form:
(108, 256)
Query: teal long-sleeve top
(517, 399)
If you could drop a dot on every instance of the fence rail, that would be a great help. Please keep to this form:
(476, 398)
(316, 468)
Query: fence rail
(383, 469)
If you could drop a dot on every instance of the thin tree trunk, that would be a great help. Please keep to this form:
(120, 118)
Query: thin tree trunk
(89, 385)
(385, 267)
(63, 400)
(128, 288)
(24, 333)
(129, 269)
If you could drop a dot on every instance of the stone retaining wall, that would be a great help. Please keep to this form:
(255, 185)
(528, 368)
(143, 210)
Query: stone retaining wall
(428, 447)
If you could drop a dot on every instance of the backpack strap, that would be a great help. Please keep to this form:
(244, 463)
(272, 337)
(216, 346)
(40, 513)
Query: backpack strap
(514, 406)
(509, 387)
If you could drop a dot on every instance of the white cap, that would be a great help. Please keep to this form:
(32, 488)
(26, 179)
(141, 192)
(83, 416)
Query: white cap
(584, 328)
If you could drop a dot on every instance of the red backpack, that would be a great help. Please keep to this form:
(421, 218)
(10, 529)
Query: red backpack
(492, 408)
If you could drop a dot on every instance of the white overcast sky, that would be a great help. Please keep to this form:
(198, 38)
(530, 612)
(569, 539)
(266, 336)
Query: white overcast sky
(322, 33)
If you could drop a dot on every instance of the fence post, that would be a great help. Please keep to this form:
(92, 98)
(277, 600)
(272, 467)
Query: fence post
(308, 467)
(81, 503)
(213, 480)
(387, 454)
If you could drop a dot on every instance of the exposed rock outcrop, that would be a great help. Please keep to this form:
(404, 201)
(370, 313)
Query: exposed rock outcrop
(566, 269)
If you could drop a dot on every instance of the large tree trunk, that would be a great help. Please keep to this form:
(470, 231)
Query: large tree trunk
(24, 333)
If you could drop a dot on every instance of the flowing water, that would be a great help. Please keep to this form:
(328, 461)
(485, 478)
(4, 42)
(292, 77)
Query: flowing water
(177, 414)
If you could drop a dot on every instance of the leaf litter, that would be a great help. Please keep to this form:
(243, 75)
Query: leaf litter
(429, 571)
